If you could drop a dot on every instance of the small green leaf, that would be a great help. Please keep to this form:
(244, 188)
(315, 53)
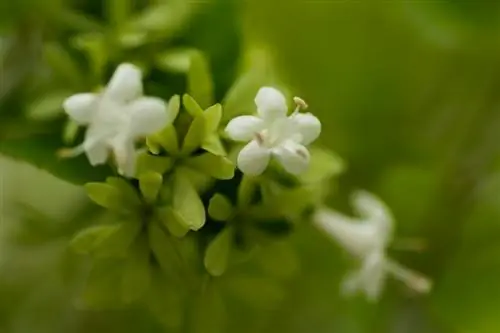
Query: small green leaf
(106, 196)
(220, 208)
(173, 107)
(187, 203)
(118, 12)
(48, 107)
(128, 192)
(150, 183)
(200, 84)
(217, 254)
(247, 190)
(136, 272)
(89, 239)
(70, 132)
(174, 223)
(213, 145)
(150, 163)
(213, 116)
(191, 106)
(194, 136)
(218, 167)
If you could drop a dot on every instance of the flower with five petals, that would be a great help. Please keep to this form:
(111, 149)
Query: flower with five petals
(271, 133)
(116, 118)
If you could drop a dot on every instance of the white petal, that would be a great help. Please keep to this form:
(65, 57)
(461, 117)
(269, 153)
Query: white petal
(373, 275)
(271, 103)
(244, 128)
(126, 83)
(125, 155)
(80, 107)
(373, 210)
(308, 126)
(359, 239)
(148, 115)
(97, 154)
(253, 159)
(293, 157)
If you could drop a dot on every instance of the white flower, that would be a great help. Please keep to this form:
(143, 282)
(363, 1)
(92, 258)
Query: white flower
(116, 118)
(367, 238)
(273, 133)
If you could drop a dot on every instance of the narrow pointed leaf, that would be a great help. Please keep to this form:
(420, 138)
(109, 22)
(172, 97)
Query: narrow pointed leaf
(194, 136)
(187, 203)
(150, 183)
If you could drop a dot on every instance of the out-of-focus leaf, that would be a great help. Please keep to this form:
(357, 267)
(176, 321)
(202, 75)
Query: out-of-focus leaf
(136, 272)
(220, 208)
(217, 254)
(47, 107)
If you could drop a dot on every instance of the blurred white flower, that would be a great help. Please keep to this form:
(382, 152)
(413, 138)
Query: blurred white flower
(116, 118)
(274, 134)
(367, 238)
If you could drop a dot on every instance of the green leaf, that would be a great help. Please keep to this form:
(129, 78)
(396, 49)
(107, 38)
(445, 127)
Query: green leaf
(150, 163)
(191, 106)
(164, 251)
(195, 135)
(118, 244)
(324, 165)
(165, 300)
(220, 208)
(218, 167)
(70, 132)
(213, 145)
(136, 272)
(247, 190)
(187, 203)
(217, 254)
(200, 84)
(176, 60)
(173, 107)
(127, 190)
(102, 290)
(106, 196)
(174, 223)
(213, 117)
(48, 107)
(89, 239)
(150, 183)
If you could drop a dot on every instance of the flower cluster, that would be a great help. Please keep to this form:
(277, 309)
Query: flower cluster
(181, 187)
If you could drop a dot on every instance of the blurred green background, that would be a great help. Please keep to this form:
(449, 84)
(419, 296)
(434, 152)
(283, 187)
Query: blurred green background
(409, 95)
